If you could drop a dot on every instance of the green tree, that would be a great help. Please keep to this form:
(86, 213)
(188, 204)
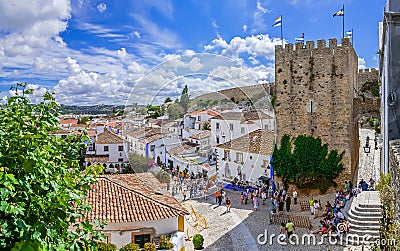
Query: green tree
(167, 100)
(138, 163)
(185, 101)
(83, 120)
(206, 126)
(175, 111)
(42, 187)
(309, 164)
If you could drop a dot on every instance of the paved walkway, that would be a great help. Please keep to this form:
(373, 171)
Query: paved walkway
(369, 163)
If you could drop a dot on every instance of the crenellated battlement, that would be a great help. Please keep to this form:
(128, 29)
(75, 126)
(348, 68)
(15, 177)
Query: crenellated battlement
(369, 70)
(310, 46)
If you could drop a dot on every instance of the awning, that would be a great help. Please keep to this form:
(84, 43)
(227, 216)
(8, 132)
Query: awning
(264, 178)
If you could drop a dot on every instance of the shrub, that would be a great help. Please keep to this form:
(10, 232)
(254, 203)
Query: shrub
(165, 243)
(102, 246)
(130, 247)
(148, 246)
(198, 241)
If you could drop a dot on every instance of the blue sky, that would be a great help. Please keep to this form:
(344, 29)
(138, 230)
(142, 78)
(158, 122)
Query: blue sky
(102, 52)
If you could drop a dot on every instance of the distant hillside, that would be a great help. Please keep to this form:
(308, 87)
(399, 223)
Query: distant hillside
(236, 95)
(93, 110)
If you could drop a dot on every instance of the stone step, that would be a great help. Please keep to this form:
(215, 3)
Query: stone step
(372, 228)
(371, 213)
(364, 222)
(355, 218)
(369, 206)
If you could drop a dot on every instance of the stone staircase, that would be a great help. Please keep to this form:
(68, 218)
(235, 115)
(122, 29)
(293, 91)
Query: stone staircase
(364, 217)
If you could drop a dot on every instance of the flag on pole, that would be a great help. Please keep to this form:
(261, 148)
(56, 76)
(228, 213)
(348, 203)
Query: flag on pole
(339, 13)
(300, 39)
(278, 21)
(349, 34)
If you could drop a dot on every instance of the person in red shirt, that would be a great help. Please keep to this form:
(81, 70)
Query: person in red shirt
(228, 205)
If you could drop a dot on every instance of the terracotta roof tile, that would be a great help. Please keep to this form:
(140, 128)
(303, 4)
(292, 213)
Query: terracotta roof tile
(108, 137)
(127, 198)
(259, 142)
(201, 135)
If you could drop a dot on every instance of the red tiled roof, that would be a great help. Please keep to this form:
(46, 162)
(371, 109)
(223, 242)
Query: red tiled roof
(209, 112)
(108, 137)
(201, 135)
(127, 198)
(68, 121)
(259, 142)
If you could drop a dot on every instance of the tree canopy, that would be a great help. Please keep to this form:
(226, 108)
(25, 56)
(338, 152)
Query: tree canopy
(308, 163)
(42, 184)
(185, 99)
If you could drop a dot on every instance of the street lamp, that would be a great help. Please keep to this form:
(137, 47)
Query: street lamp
(367, 148)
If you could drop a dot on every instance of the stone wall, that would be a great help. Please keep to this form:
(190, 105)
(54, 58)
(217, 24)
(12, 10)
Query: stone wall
(314, 95)
(394, 169)
(365, 76)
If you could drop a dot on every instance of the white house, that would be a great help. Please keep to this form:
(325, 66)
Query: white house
(196, 119)
(247, 157)
(203, 139)
(135, 209)
(232, 125)
(109, 144)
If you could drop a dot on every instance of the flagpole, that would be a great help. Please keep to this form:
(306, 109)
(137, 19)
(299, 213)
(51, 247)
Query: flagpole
(343, 20)
(282, 29)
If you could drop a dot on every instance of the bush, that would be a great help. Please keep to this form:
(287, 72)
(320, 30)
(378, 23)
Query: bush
(165, 243)
(148, 246)
(130, 247)
(102, 246)
(198, 241)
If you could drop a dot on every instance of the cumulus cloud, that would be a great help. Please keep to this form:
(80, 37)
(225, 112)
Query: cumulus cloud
(259, 46)
(361, 63)
(32, 25)
(102, 7)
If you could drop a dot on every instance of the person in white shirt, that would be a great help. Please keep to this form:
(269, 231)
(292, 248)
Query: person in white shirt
(295, 196)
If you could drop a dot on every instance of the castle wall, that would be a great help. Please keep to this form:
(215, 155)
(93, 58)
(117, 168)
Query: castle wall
(314, 95)
(365, 76)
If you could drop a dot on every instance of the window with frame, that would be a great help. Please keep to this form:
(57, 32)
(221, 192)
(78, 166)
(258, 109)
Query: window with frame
(198, 118)
(120, 148)
(242, 130)
(106, 148)
(231, 126)
(239, 158)
(217, 140)
(226, 155)
(217, 126)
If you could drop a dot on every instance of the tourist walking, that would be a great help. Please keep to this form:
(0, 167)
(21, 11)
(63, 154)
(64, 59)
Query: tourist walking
(281, 204)
(228, 205)
(311, 203)
(295, 196)
(282, 231)
(255, 203)
(288, 202)
(289, 228)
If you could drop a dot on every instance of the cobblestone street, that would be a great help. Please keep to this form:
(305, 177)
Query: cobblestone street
(239, 230)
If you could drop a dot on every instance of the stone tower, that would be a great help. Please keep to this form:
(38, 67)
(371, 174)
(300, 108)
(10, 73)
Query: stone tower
(315, 88)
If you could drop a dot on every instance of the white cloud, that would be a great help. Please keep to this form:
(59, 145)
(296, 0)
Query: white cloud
(102, 7)
(258, 46)
(244, 27)
(122, 53)
(258, 17)
(361, 63)
(32, 25)
(214, 24)
(136, 34)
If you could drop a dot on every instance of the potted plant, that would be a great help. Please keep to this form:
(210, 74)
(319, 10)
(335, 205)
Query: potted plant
(164, 243)
(198, 241)
(148, 246)
(102, 246)
(130, 247)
